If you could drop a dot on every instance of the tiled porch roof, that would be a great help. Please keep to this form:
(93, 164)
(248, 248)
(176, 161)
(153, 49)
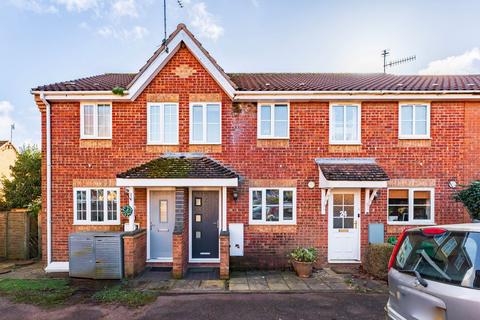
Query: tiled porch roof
(179, 167)
(352, 170)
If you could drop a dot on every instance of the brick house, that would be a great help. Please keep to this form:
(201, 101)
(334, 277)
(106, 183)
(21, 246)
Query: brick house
(260, 163)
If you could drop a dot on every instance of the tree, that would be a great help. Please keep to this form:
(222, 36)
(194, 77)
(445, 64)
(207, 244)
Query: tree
(25, 188)
(470, 197)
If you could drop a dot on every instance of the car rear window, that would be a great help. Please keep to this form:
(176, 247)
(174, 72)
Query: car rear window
(451, 257)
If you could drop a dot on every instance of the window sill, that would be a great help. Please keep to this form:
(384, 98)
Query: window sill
(272, 224)
(417, 223)
(205, 143)
(272, 138)
(158, 144)
(414, 138)
(96, 224)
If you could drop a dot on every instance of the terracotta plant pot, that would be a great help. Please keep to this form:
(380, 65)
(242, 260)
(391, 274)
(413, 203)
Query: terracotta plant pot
(303, 269)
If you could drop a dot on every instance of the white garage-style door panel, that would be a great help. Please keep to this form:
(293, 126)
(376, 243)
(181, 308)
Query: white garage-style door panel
(344, 226)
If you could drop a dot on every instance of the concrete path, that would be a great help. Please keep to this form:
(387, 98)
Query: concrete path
(265, 306)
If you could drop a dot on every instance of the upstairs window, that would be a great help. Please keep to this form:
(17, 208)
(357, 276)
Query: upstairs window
(414, 121)
(272, 206)
(205, 123)
(162, 123)
(410, 206)
(273, 121)
(96, 206)
(95, 121)
(344, 124)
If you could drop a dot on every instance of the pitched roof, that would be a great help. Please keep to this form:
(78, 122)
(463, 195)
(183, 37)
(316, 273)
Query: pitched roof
(352, 82)
(351, 169)
(2, 142)
(102, 82)
(179, 167)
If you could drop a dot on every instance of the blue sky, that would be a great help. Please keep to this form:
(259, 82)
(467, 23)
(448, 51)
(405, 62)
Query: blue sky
(45, 41)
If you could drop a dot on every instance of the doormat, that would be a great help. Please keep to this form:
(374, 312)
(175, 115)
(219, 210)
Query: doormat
(202, 270)
(161, 269)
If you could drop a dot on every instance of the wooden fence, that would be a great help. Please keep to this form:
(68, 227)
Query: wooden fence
(18, 235)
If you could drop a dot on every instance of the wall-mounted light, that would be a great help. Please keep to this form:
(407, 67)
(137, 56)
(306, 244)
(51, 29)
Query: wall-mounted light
(452, 184)
(311, 184)
(235, 195)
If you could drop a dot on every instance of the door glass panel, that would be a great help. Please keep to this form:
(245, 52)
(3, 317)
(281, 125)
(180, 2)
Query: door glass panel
(348, 223)
(348, 199)
(163, 211)
(337, 223)
(343, 211)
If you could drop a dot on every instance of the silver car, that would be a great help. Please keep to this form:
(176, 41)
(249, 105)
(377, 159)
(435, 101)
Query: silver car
(434, 274)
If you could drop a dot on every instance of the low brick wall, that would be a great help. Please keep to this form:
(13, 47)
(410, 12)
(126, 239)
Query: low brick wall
(134, 253)
(224, 255)
(14, 234)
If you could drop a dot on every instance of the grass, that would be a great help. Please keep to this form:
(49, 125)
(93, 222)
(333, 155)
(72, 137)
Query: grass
(42, 292)
(122, 295)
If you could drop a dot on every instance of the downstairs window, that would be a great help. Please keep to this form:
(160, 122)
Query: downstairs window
(272, 206)
(96, 206)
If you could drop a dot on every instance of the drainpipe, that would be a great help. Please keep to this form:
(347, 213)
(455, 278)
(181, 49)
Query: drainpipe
(49, 180)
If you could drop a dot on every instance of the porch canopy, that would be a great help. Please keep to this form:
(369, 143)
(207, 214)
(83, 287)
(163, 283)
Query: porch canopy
(352, 173)
(179, 170)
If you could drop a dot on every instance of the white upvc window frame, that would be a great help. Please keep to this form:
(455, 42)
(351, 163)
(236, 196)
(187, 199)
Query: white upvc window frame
(412, 221)
(413, 136)
(331, 132)
(280, 206)
(95, 120)
(162, 123)
(204, 124)
(272, 120)
(89, 221)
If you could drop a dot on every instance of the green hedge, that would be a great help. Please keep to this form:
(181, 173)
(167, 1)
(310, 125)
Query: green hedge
(375, 259)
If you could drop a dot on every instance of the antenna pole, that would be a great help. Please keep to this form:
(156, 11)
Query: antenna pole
(165, 25)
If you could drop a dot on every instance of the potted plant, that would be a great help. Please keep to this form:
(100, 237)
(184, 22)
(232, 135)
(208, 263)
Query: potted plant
(303, 260)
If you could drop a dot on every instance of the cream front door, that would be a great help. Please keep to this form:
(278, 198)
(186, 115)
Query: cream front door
(344, 225)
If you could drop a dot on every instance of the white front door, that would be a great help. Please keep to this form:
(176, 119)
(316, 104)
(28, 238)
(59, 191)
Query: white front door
(162, 222)
(344, 225)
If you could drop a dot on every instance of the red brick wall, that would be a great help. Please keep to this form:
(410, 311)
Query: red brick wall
(442, 159)
(134, 253)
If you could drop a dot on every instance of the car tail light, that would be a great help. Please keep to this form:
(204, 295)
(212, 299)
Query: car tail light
(433, 231)
(396, 248)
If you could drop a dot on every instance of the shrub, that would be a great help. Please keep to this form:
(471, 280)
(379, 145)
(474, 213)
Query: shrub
(375, 259)
(470, 197)
(304, 254)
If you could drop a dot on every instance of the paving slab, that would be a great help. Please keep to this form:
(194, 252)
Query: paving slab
(161, 285)
(186, 285)
(257, 283)
(276, 283)
(316, 284)
(295, 283)
(212, 285)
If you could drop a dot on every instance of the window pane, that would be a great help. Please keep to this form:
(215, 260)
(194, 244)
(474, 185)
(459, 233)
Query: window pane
(272, 213)
(281, 112)
(213, 123)
(351, 123)
(163, 211)
(88, 116)
(257, 213)
(287, 198)
(197, 123)
(398, 205)
(257, 197)
(170, 120)
(112, 204)
(82, 205)
(265, 121)
(155, 123)
(420, 113)
(421, 202)
(421, 127)
(406, 127)
(104, 120)
(287, 213)
(407, 113)
(272, 196)
(281, 128)
(338, 123)
(96, 204)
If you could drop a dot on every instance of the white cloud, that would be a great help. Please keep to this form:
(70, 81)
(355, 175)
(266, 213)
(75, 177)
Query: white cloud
(204, 21)
(468, 62)
(135, 33)
(5, 119)
(125, 8)
(78, 5)
(37, 6)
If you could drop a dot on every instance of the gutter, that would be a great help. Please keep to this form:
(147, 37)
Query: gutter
(49, 179)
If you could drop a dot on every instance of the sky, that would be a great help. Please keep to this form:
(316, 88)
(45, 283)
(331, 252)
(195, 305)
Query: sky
(45, 41)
